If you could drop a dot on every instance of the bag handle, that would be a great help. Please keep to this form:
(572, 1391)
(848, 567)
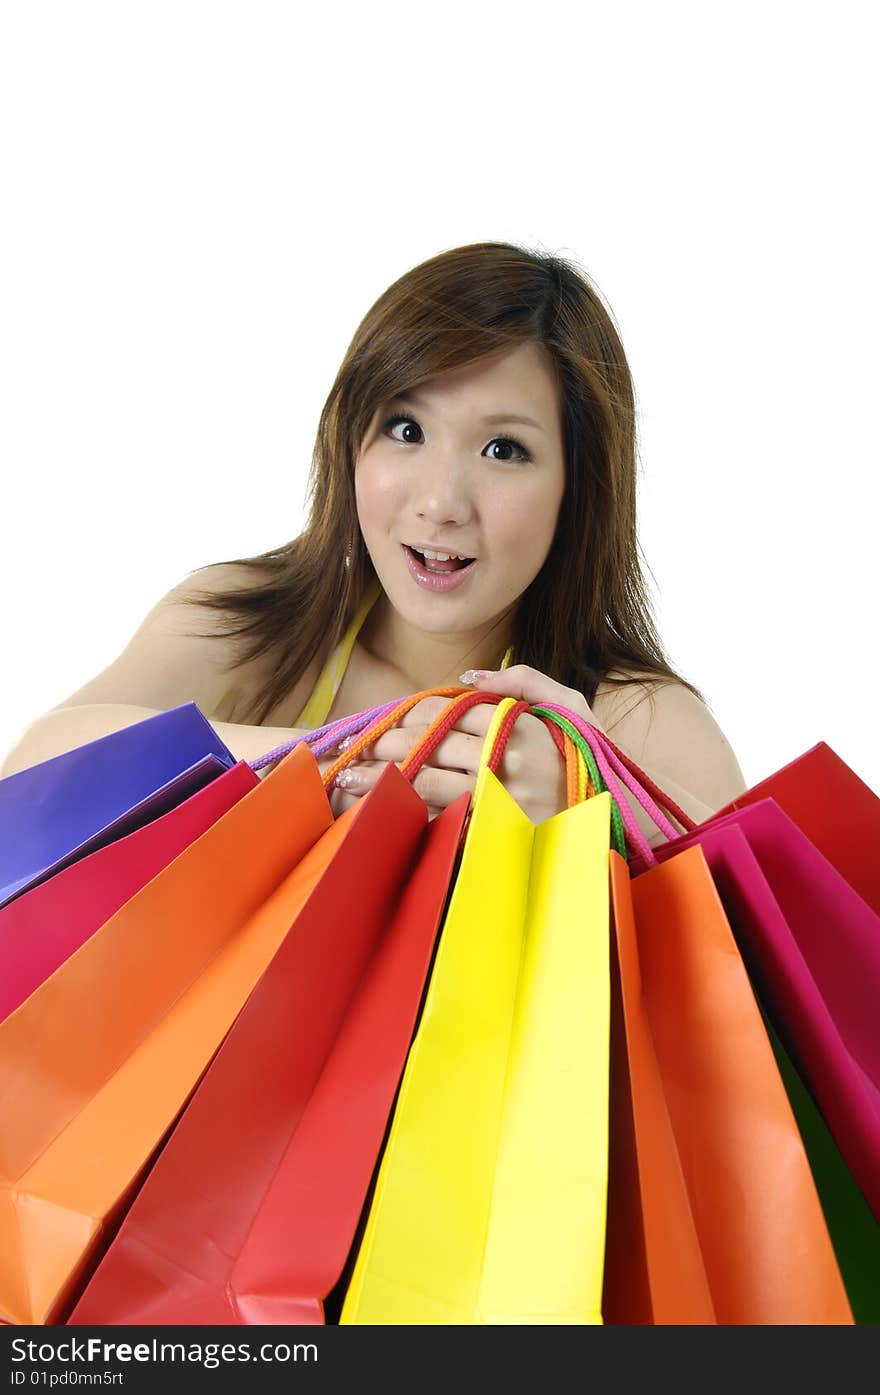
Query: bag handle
(327, 737)
(579, 777)
(620, 758)
(640, 785)
(578, 781)
(574, 763)
(586, 788)
(503, 733)
(378, 727)
(391, 714)
(635, 842)
(644, 789)
(507, 710)
(373, 726)
(440, 727)
(373, 722)
(573, 778)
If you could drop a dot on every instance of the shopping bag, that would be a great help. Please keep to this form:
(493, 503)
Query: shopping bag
(812, 948)
(55, 812)
(854, 1229)
(96, 1064)
(682, 1102)
(611, 770)
(250, 1211)
(713, 1216)
(837, 811)
(654, 1269)
(489, 1204)
(45, 925)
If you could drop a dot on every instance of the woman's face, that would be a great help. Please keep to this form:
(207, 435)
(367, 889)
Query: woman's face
(459, 474)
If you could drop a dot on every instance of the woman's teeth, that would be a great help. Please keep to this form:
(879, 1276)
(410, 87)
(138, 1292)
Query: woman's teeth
(441, 561)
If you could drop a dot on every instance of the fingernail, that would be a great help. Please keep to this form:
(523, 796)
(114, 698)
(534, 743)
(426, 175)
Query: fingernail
(347, 780)
(473, 675)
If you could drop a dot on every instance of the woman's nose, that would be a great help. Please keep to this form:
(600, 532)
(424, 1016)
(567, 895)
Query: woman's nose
(442, 494)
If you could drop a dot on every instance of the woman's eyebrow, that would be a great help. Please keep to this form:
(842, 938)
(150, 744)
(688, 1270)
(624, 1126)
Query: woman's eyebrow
(493, 419)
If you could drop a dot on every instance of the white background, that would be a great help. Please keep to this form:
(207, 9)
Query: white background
(201, 201)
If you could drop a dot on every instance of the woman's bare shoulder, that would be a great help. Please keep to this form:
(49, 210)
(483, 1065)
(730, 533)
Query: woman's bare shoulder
(248, 679)
(178, 653)
(216, 579)
(669, 731)
(615, 700)
(240, 680)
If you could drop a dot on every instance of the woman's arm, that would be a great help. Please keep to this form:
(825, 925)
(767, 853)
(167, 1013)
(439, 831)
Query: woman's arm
(66, 727)
(178, 654)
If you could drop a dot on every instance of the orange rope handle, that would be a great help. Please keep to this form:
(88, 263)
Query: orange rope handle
(571, 771)
(372, 733)
(565, 747)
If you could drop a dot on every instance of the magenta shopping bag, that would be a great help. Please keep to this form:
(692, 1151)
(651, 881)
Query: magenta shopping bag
(838, 812)
(812, 948)
(44, 926)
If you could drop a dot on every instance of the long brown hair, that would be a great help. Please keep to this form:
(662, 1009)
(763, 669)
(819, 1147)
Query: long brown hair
(587, 611)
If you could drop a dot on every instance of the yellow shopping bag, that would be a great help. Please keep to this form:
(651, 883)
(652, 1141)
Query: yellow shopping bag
(490, 1200)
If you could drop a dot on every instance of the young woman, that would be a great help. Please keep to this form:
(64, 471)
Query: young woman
(472, 519)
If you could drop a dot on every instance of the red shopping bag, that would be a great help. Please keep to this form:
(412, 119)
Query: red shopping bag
(250, 1211)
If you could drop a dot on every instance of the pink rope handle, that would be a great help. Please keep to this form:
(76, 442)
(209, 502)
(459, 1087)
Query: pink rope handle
(611, 761)
(328, 737)
(635, 839)
(634, 835)
(665, 800)
(606, 757)
(624, 769)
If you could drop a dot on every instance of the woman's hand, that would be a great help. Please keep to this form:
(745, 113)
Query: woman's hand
(532, 770)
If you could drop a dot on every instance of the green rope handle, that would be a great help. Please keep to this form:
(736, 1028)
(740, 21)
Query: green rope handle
(617, 830)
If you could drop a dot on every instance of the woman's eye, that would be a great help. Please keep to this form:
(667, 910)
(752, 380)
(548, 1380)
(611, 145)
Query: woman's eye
(397, 421)
(509, 441)
(400, 420)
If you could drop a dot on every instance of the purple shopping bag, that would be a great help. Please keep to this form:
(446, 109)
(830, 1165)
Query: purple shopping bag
(53, 813)
(45, 925)
(812, 948)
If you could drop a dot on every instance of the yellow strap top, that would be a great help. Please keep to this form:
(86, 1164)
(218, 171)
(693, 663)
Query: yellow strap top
(320, 700)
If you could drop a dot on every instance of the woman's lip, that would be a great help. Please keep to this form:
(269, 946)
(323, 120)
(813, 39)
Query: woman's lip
(435, 547)
(436, 581)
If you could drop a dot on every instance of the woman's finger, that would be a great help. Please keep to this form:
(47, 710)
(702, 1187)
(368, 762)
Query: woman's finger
(439, 788)
(530, 685)
(359, 777)
(436, 787)
(475, 722)
(457, 750)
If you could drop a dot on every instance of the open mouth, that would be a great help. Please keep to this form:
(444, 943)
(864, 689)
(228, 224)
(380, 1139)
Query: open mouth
(437, 573)
(438, 565)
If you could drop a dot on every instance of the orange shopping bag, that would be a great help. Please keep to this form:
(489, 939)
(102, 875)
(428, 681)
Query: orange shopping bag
(97, 1063)
(713, 1214)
